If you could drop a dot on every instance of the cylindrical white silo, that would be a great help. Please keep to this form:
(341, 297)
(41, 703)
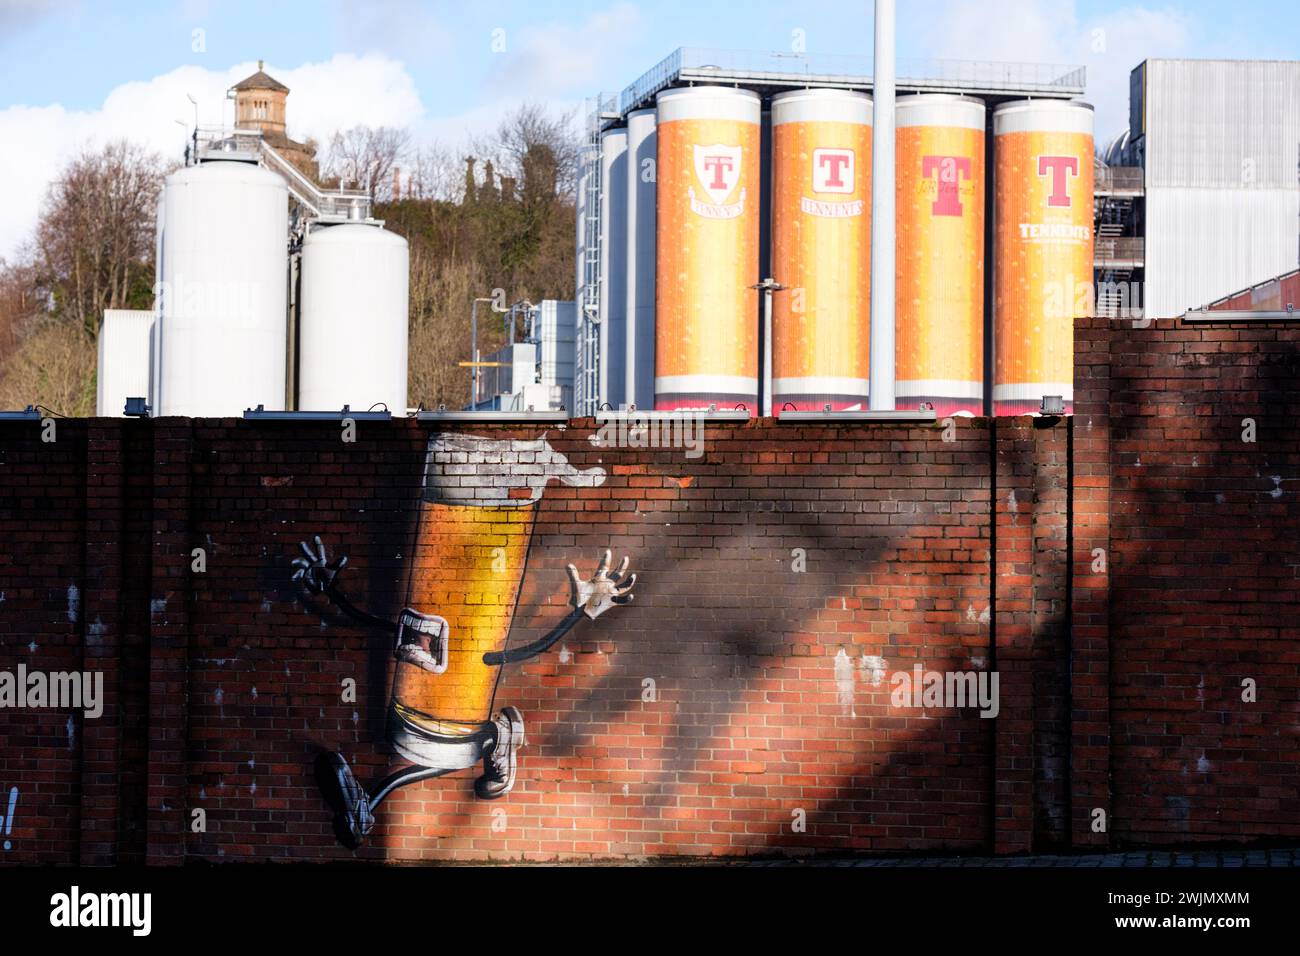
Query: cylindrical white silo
(642, 144)
(613, 266)
(352, 335)
(222, 299)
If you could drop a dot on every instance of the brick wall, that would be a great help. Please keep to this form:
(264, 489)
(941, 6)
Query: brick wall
(1201, 592)
(741, 703)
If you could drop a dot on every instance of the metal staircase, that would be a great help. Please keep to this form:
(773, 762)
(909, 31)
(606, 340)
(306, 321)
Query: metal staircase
(321, 205)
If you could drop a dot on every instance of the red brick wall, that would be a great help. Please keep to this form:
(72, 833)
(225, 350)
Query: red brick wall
(1119, 684)
(1201, 529)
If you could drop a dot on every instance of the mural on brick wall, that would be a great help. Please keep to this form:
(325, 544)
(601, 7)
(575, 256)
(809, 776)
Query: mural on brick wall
(475, 525)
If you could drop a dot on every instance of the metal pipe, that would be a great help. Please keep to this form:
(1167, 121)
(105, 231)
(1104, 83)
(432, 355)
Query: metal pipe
(473, 351)
(882, 214)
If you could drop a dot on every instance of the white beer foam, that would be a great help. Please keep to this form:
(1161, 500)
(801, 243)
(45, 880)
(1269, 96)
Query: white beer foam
(473, 470)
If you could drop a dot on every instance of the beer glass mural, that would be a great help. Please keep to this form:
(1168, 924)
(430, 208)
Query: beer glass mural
(476, 518)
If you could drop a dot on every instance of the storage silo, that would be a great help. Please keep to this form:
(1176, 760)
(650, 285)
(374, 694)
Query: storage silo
(706, 226)
(221, 332)
(939, 351)
(1043, 248)
(353, 325)
(613, 266)
(821, 249)
(642, 146)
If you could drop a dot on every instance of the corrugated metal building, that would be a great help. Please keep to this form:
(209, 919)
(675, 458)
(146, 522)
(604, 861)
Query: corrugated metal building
(1220, 142)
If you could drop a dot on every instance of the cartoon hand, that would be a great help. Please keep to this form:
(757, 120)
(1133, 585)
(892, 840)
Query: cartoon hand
(316, 572)
(604, 590)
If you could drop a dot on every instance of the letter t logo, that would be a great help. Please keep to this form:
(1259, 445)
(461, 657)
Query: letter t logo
(950, 170)
(1059, 168)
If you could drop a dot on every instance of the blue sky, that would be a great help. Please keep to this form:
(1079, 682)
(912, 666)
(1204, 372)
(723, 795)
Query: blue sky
(73, 71)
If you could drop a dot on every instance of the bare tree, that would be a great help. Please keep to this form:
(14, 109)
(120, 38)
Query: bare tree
(95, 240)
(20, 300)
(435, 174)
(364, 158)
(538, 150)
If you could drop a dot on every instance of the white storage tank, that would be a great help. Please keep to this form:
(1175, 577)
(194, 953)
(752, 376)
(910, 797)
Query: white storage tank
(352, 334)
(124, 353)
(222, 296)
(613, 267)
(639, 366)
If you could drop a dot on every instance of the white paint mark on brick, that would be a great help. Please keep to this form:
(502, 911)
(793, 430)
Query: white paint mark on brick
(844, 686)
(1277, 486)
(74, 603)
(566, 655)
(873, 670)
(986, 615)
(979, 663)
(254, 693)
(219, 696)
(72, 734)
(356, 718)
(157, 608)
(32, 647)
(1203, 765)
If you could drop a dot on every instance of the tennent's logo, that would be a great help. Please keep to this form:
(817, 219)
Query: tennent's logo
(717, 168)
(1060, 169)
(948, 172)
(833, 170)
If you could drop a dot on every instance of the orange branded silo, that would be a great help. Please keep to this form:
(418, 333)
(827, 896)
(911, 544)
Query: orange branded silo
(707, 222)
(821, 249)
(939, 355)
(1043, 249)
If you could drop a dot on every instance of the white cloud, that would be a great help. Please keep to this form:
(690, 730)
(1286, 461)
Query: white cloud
(556, 59)
(343, 92)
(1110, 45)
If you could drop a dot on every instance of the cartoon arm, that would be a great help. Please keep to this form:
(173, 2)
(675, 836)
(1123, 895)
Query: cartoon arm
(592, 598)
(319, 575)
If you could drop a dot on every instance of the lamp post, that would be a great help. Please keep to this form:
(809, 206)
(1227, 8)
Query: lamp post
(767, 287)
(882, 215)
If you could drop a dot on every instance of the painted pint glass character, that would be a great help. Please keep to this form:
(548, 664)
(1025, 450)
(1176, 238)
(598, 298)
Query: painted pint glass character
(476, 520)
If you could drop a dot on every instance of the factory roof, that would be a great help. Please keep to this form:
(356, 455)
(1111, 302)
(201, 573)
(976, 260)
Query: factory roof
(775, 72)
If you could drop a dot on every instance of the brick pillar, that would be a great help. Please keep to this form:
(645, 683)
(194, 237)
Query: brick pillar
(101, 604)
(1013, 507)
(169, 641)
(1090, 599)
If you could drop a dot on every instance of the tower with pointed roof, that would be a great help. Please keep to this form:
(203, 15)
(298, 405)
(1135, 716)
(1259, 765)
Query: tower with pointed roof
(260, 105)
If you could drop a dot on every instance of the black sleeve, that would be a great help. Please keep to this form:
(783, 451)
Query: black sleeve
(358, 615)
(537, 648)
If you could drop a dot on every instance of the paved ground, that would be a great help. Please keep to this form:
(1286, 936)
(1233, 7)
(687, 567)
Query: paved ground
(1138, 858)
